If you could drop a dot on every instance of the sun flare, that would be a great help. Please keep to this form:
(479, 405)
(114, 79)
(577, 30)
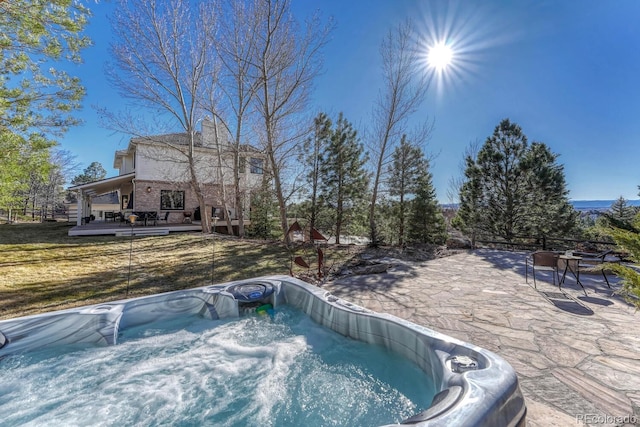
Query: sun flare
(440, 56)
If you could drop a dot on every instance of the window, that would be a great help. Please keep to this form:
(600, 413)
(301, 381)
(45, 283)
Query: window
(171, 200)
(242, 164)
(256, 165)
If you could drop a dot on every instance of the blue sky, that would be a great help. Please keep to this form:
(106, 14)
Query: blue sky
(568, 72)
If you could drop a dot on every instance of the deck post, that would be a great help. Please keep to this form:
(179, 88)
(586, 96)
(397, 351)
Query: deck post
(80, 208)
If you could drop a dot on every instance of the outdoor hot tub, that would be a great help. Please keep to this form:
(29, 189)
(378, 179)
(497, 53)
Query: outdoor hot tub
(433, 379)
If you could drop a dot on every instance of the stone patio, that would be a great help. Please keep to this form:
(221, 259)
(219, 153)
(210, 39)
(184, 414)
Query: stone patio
(577, 357)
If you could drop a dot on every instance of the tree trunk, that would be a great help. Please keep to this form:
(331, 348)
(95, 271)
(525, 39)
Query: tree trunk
(223, 190)
(401, 231)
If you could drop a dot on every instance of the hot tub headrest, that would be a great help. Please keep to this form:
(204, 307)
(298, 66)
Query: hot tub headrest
(251, 292)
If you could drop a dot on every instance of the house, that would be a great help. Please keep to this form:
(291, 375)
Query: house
(155, 175)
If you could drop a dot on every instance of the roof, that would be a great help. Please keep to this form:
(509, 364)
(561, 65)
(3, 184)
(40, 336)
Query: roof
(174, 139)
(103, 186)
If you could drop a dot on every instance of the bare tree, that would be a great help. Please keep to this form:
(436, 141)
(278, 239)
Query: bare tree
(403, 92)
(220, 147)
(286, 61)
(63, 166)
(163, 58)
(235, 46)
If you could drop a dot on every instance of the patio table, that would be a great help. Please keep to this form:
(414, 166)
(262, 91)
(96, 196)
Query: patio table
(571, 265)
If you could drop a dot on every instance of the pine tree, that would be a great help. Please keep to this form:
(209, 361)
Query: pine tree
(263, 211)
(313, 149)
(549, 211)
(427, 223)
(627, 237)
(622, 211)
(37, 98)
(514, 189)
(408, 164)
(469, 218)
(344, 180)
(93, 172)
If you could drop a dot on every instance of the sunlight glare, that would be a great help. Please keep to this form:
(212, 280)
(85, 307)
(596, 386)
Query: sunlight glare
(454, 41)
(440, 56)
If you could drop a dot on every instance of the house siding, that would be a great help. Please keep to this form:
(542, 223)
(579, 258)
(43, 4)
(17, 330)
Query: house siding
(149, 200)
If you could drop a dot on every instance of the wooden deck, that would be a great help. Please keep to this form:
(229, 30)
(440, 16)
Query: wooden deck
(101, 228)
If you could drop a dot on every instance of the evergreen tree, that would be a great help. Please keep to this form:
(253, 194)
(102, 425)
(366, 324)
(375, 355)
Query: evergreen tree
(627, 237)
(93, 172)
(313, 150)
(469, 217)
(407, 166)
(386, 225)
(344, 181)
(36, 97)
(263, 211)
(513, 189)
(549, 211)
(426, 219)
(22, 160)
(621, 210)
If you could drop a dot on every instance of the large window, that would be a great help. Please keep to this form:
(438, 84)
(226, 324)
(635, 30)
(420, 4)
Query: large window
(171, 200)
(256, 165)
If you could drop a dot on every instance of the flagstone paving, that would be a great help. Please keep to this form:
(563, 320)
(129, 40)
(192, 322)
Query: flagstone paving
(577, 358)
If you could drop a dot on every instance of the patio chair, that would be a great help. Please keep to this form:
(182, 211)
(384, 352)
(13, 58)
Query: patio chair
(542, 260)
(165, 219)
(590, 260)
(151, 217)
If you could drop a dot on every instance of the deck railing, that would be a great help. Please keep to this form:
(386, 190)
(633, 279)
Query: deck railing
(546, 243)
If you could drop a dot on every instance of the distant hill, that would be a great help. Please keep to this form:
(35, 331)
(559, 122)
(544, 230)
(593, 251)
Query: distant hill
(579, 205)
(598, 205)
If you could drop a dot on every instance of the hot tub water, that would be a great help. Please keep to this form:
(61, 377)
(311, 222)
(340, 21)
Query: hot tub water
(280, 370)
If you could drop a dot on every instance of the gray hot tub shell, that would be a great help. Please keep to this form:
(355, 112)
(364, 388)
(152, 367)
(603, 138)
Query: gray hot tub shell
(476, 387)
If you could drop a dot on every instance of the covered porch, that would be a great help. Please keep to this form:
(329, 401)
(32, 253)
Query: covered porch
(122, 184)
(152, 217)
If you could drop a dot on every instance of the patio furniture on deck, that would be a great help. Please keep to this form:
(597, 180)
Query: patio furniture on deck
(542, 260)
(140, 217)
(571, 264)
(151, 217)
(124, 216)
(166, 217)
(146, 217)
(590, 260)
(109, 216)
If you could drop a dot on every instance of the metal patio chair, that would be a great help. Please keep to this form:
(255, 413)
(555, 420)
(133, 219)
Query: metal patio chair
(542, 260)
(165, 218)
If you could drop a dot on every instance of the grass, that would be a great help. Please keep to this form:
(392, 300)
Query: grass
(43, 269)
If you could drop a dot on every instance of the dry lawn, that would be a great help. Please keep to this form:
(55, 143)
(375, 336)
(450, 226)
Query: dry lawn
(43, 269)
